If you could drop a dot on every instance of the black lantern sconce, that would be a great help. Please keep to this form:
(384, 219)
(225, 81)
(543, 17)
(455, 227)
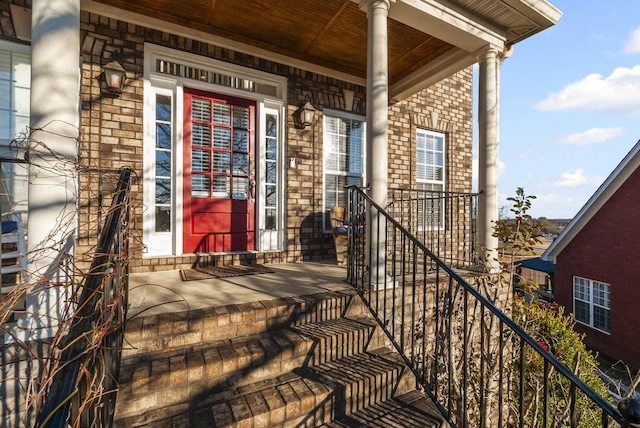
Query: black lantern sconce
(113, 79)
(303, 117)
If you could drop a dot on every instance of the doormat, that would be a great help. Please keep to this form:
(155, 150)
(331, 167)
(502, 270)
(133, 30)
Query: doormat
(212, 272)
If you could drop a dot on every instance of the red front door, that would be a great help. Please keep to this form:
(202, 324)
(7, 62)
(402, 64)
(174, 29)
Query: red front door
(219, 173)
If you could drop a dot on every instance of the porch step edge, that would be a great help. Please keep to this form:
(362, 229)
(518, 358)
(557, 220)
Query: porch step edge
(219, 365)
(171, 331)
(309, 395)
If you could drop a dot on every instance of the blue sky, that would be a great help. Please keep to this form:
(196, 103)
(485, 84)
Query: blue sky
(570, 105)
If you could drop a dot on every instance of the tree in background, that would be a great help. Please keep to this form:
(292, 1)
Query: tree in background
(547, 324)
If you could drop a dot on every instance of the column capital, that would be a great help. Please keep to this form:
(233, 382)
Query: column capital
(490, 52)
(368, 5)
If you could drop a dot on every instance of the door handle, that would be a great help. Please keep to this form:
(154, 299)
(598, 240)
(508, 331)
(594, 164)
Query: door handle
(252, 189)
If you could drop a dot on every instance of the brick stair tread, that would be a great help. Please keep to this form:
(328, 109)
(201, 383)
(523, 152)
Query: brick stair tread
(305, 395)
(220, 365)
(410, 410)
(174, 331)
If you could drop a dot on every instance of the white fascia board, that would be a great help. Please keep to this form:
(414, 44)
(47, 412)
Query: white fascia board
(448, 22)
(540, 11)
(616, 179)
(446, 65)
(179, 30)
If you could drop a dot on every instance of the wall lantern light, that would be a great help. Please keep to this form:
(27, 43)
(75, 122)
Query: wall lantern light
(114, 76)
(303, 117)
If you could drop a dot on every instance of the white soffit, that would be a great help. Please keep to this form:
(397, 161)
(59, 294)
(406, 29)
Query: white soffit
(449, 23)
(150, 22)
(21, 22)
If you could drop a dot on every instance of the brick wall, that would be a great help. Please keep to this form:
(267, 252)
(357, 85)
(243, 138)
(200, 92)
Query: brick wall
(606, 250)
(444, 107)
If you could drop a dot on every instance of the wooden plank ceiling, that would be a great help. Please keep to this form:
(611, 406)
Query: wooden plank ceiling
(331, 33)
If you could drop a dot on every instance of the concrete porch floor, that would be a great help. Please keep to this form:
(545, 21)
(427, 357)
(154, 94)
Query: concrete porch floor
(163, 292)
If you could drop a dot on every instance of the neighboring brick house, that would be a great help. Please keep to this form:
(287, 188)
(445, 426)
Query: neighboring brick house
(208, 113)
(596, 264)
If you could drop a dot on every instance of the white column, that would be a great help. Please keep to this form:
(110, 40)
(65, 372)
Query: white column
(55, 104)
(488, 157)
(377, 129)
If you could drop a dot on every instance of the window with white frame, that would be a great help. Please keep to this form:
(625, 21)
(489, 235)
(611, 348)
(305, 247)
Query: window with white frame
(430, 178)
(15, 89)
(163, 162)
(343, 142)
(591, 303)
(271, 171)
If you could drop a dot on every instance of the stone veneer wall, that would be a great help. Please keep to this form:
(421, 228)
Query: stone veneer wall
(112, 137)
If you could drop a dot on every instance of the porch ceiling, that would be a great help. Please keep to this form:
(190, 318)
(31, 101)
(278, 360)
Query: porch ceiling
(428, 39)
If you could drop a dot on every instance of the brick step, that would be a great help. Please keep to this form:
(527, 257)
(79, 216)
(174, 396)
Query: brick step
(163, 379)
(173, 331)
(410, 410)
(305, 396)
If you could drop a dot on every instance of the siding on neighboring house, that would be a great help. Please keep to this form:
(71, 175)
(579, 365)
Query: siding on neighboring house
(606, 250)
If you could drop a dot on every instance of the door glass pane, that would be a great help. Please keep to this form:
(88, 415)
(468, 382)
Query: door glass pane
(240, 188)
(271, 195)
(271, 172)
(200, 161)
(163, 219)
(163, 108)
(200, 110)
(240, 164)
(163, 191)
(163, 136)
(201, 135)
(221, 162)
(221, 114)
(240, 140)
(221, 187)
(270, 219)
(200, 186)
(240, 117)
(221, 138)
(163, 163)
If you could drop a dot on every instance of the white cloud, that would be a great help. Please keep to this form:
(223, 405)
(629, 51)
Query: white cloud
(591, 136)
(557, 205)
(577, 177)
(619, 92)
(633, 44)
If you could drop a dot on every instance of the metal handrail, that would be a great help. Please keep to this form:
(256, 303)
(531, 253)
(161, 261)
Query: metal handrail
(100, 316)
(444, 221)
(464, 351)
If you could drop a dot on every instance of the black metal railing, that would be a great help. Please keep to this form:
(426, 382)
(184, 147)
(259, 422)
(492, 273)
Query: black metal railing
(84, 383)
(478, 366)
(445, 222)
